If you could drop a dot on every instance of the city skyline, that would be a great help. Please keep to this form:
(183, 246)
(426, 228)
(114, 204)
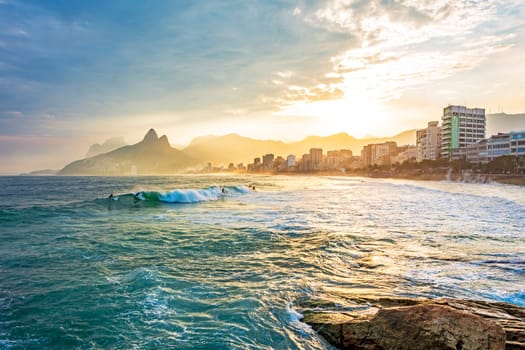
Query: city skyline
(73, 74)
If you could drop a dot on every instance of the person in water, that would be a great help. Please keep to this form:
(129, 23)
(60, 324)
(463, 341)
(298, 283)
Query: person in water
(111, 196)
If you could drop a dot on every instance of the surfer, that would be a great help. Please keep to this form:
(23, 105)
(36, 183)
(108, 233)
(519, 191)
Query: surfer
(222, 190)
(110, 200)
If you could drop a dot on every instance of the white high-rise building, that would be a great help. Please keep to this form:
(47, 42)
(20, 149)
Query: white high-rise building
(428, 142)
(461, 126)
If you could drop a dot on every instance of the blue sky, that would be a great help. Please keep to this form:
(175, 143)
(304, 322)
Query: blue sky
(73, 73)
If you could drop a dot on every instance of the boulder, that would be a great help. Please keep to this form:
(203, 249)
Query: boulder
(420, 324)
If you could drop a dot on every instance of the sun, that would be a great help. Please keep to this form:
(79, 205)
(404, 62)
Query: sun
(358, 116)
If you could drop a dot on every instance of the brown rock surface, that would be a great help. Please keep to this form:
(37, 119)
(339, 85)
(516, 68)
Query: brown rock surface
(387, 323)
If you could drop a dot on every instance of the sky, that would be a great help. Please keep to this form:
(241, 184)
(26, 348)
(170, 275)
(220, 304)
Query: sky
(74, 73)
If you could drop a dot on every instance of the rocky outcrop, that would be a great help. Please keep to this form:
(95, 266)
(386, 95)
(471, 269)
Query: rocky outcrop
(380, 324)
(152, 155)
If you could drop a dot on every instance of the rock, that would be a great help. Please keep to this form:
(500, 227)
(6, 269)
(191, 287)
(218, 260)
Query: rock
(151, 156)
(420, 324)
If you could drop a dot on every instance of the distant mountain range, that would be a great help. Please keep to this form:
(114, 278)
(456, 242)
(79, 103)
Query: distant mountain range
(154, 155)
(234, 148)
(44, 172)
(108, 146)
(502, 122)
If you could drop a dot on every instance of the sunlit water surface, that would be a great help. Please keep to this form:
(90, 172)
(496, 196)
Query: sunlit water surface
(225, 271)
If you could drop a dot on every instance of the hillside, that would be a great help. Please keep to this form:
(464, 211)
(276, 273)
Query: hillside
(108, 146)
(502, 122)
(234, 148)
(230, 148)
(152, 155)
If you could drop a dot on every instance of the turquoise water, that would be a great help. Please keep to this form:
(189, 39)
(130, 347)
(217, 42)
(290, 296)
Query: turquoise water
(174, 263)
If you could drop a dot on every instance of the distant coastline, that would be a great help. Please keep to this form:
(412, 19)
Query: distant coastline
(459, 177)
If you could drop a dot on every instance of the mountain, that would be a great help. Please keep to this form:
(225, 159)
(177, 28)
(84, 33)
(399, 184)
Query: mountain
(152, 155)
(502, 122)
(231, 148)
(108, 146)
(234, 148)
(44, 172)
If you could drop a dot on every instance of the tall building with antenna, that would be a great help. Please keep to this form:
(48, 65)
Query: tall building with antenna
(461, 126)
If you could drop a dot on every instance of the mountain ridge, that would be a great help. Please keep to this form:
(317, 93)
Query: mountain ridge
(503, 122)
(152, 155)
(155, 155)
(109, 145)
(234, 148)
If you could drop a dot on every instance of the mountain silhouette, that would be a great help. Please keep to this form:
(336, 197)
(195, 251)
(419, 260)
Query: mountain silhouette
(233, 148)
(152, 155)
(502, 122)
(108, 146)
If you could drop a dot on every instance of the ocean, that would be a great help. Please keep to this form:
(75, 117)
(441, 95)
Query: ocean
(175, 263)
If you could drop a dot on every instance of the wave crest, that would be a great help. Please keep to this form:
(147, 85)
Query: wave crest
(208, 194)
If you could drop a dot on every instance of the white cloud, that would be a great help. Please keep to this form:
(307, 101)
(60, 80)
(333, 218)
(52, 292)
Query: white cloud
(399, 46)
(408, 43)
(285, 74)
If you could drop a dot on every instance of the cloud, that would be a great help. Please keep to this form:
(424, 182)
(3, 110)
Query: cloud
(394, 23)
(403, 44)
(285, 74)
(207, 62)
(319, 92)
(15, 114)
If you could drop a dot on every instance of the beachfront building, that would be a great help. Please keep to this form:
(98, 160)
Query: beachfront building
(517, 143)
(486, 150)
(506, 144)
(338, 158)
(316, 158)
(498, 145)
(476, 152)
(378, 153)
(290, 161)
(305, 164)
(428, 142)
(267, 161)
(279, 163)
(404, 154)
(460, 126)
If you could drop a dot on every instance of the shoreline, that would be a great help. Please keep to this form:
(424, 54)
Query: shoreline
(466, 177)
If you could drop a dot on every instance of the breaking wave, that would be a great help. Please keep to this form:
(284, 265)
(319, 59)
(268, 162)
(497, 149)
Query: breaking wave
(211, 193)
